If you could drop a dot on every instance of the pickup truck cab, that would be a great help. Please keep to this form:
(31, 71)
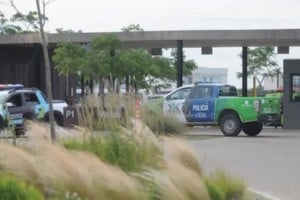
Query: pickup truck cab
(27, 103)
(218, 104)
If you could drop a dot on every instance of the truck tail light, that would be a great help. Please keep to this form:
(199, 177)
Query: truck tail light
(256, 105)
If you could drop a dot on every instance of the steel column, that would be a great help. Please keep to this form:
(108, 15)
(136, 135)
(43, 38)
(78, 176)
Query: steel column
(179, 62)
(245, 72)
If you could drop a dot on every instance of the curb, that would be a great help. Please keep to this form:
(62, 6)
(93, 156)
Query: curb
(264, 194)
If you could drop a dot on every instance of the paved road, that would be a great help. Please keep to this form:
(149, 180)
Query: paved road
(269, 163)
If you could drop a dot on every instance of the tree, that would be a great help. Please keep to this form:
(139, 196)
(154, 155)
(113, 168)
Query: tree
(62, 30)
(132, 28)
(20, 22)
(105, 58)
(47, 71)
(188, 65)
(261, 64)
(6, 27)
(70, 58)
(161, 72)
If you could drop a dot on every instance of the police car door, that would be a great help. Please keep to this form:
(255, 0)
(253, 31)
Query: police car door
(173, 102)
(203, 104)
(15, 109)
(32, 105)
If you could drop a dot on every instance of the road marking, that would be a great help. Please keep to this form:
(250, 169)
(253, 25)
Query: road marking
(264, 194)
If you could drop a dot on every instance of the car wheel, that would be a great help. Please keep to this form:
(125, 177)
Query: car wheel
(230, 125)
(59, 119)
(252, 128)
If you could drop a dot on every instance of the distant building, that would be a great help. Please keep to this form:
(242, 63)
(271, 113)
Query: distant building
(203, 74)
(207, 74)
(273, 83)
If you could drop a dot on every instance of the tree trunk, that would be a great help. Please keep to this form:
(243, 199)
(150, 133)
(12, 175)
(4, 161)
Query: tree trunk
(254, 86)
(82, 85)
(91, 85)
(127, 83)
(48, 74)
(117, 85)
(101, 90)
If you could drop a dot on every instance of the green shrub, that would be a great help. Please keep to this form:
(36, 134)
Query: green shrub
(119, 149)
(222, 186)
(214, 192)
(12, 188)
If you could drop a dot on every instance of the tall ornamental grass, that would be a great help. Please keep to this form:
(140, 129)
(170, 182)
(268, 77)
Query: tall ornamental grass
(112, 160)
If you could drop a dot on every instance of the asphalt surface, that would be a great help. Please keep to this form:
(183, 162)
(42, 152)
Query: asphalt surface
(269, 163)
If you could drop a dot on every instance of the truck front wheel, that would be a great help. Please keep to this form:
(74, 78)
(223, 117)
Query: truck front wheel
(2, 124)
(230, 125)
(252, 128)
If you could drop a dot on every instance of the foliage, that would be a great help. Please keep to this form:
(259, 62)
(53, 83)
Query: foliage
(137, 63)
(20, 22)
(214, 192)
(261, 64)
(132, 28)
(119, 149)
(79, 174)
(188, 65)
(28, 22)
(7, 27)
(62, 30)
(222, 186)
(17, 189)
(69, 58)
(106, 51)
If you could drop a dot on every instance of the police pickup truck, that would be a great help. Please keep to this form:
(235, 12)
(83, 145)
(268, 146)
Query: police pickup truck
(26, 103)
(218, 104)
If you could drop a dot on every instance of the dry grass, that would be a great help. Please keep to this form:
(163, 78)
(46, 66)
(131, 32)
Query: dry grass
(57, 171)
(52, 167)
(177, 150)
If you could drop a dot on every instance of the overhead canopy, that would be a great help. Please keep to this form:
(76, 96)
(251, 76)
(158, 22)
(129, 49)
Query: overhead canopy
(167, 39)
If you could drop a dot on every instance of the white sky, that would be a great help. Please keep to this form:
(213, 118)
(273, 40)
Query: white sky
(112, 15)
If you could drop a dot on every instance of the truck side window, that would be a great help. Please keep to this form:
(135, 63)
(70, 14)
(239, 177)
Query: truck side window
(227, 91)
(16, 100)
(203, 92)
(31, 99)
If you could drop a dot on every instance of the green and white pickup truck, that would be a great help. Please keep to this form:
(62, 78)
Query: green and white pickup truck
(218, 104)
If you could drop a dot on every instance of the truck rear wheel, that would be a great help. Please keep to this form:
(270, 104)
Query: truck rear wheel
(252, 128)
(58, 118)
(230, 125)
